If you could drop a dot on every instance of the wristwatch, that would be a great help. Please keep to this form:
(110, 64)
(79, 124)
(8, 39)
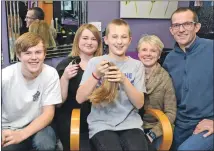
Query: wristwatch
(152, 134)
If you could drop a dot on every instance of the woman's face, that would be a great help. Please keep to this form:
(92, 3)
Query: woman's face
(88, 43)
(148, 54)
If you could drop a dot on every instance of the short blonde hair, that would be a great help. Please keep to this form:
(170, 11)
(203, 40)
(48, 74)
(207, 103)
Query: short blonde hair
(118, 22)
(151, 39)
(26, 41)
(43, 29)
(75, 48)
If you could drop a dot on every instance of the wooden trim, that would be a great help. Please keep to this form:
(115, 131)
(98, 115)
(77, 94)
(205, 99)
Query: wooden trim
(166, 127)
(75, 130)
(48, 10)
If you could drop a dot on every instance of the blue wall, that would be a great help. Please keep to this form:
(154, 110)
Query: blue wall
(105, 11)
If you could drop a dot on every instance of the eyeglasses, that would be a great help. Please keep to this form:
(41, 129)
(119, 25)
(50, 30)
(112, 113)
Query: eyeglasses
(186, 25)
(29, 17)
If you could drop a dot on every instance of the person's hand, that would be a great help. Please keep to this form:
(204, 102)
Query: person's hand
(150, 139)
(204, 125)
(3, 137)
(114, 75)
(70, 71)
(101, 69)
(12, 137)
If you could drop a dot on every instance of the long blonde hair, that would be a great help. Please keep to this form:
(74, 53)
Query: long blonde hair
(75, 48)
(41, 28)
(107, 92)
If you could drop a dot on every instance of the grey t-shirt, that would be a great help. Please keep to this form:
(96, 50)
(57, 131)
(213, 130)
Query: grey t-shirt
(121, 114)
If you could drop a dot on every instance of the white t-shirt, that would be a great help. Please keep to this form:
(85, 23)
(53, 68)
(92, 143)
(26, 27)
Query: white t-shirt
(22, 100)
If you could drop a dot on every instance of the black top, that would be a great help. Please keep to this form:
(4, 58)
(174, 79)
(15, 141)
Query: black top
(74, 82)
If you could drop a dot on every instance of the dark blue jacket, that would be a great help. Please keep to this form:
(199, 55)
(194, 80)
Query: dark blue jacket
(192, 75)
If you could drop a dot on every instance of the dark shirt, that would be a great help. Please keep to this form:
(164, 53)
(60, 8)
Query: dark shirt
(192, 75)
(70, 102)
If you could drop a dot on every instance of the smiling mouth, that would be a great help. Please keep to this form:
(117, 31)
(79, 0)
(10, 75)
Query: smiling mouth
(33, 63)
(147, 59)
(182, 36)
(119, 47)
(89, 47)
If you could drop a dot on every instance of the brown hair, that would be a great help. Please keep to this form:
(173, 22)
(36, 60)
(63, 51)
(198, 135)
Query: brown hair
(75, 48)
(118, 22)
(184, 9)
(107, 92)
(26, 41)
(43, 29)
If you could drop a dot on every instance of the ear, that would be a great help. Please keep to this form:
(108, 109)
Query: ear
(106, 40)
(130, 40)
(18, 56)
(197, 27)
(170, 29)
(138, 54)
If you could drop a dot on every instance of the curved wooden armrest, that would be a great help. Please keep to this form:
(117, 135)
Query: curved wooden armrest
(166, 127)
(75, 130)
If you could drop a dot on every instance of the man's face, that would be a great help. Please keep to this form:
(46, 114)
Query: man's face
(118, 40)
(29, 18)
(184, 34)
(32, 60)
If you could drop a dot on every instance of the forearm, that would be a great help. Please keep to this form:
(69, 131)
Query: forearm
(64, 83)
(136, 97)
(86, 89)
(40, 122)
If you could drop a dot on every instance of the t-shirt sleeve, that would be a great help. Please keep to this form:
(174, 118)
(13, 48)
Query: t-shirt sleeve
(52, 91)
(88, 71)
(139, 81)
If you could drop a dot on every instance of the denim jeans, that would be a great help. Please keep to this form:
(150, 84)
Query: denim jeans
(157, 142)
(184, 139)
(43, 140)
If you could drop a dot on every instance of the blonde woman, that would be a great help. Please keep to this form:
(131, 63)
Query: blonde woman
(43, 29)
(160, 92)
(87, 44)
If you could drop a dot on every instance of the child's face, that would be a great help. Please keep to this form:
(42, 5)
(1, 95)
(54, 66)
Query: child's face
(88, 43)
(118, 40)
(32, 60)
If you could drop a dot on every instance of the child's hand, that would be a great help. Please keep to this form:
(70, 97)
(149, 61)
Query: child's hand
(70, 71)
(3, 138)
(114, 75)
(12, 137)
(101, 69)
